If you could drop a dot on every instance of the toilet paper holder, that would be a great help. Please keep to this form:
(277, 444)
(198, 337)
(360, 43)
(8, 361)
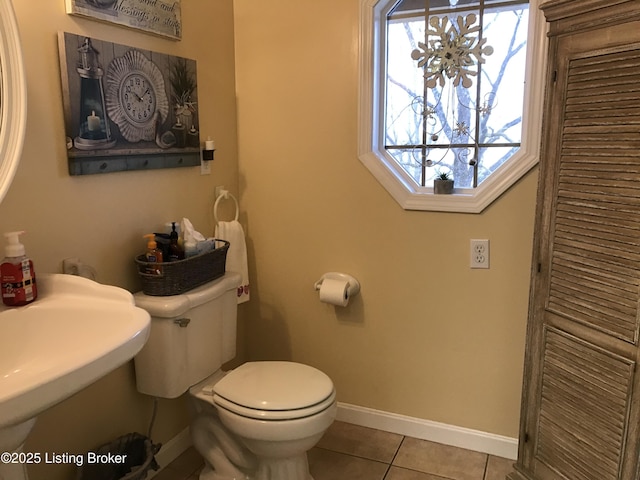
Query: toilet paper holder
(352, 289)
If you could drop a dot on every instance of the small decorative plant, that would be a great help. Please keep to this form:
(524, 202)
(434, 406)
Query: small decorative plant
(443, 183)
(183, 85)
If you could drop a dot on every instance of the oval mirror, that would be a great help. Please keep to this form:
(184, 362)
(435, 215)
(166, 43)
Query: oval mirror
(13, 97)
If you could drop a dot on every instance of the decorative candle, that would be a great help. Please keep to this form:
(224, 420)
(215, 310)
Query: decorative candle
(193, 139)
(180, 134)
(93, 122)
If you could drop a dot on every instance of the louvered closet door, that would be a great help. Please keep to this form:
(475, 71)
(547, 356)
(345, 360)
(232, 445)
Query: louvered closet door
(584, 425)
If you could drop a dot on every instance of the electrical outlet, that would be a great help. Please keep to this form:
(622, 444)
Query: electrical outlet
(479, 254)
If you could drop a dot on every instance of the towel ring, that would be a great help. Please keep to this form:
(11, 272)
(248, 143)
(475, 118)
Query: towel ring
(224, 195)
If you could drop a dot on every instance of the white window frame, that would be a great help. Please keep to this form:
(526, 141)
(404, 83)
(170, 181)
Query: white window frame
(384, 168)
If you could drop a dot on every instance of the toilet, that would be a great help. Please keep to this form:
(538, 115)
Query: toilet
(256, 421)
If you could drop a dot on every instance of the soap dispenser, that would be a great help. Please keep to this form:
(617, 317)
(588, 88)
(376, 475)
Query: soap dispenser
(17, 276)
(175, 251)
(153, 255)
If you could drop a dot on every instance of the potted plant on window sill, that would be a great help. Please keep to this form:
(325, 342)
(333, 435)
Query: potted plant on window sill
(443, 184)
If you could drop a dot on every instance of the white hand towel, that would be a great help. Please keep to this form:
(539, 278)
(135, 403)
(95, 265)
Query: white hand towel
(233, 233)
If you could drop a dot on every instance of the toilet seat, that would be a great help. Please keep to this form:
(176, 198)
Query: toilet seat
(274, 414)
(274, 391)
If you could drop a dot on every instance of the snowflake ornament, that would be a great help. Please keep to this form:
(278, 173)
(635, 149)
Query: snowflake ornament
(490, 102)
(450, 50)
(461, 129)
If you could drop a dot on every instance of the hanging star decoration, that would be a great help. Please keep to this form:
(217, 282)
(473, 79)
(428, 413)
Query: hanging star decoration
(451, 51)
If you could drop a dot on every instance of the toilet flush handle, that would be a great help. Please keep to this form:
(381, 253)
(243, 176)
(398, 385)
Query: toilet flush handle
(182, 322)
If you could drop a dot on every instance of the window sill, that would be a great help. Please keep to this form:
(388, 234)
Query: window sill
(464, 200)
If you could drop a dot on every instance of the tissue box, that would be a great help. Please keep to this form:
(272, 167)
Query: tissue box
(183, 275)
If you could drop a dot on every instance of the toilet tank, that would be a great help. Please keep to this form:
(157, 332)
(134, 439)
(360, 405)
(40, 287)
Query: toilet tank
(191, 336)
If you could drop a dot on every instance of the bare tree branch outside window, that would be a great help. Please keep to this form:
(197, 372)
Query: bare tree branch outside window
(471, 131)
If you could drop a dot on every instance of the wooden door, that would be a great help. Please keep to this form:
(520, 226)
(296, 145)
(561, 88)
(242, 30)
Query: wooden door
(580, 398)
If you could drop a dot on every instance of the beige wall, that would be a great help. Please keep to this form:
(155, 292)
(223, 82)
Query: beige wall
(101, 218)
(427, 337)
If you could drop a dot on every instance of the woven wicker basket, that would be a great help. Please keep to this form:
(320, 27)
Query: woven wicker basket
(183, 275)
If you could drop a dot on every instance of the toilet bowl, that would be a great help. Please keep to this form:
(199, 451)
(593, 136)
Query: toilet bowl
(278, 410)
(254, 422)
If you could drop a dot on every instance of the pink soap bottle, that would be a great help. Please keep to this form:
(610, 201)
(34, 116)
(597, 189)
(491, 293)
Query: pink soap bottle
(17, 276)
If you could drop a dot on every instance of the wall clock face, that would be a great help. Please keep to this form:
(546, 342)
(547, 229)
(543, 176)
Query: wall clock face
(138, 98)
(135, 96)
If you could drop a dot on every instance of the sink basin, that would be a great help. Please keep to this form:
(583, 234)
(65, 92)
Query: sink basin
(76, 332)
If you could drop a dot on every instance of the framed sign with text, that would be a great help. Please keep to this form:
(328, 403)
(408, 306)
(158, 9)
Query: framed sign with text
(161, 17)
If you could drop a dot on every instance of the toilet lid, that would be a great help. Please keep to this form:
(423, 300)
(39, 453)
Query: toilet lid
(270, 415)
(275, 386)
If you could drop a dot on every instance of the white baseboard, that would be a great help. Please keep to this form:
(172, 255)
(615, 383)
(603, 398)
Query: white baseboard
(476, 440)
(172, 450)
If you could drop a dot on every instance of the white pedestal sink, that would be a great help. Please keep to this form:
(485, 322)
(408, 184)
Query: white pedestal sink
(76, 332)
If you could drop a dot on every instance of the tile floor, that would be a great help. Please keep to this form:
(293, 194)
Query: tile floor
(359, 453)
